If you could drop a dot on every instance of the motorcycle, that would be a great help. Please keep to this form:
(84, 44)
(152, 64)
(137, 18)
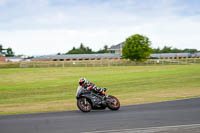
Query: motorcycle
(89, 100)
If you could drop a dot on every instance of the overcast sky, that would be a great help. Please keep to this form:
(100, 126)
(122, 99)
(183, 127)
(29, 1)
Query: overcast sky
(38, 27)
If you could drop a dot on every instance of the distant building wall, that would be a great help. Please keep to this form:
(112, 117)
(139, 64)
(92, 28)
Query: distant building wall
(2, 59)
(116, 49)
(13, 59)
(72, 57)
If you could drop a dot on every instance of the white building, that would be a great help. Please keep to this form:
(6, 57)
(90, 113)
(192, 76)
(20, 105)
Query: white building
(14, 59)
(116, 49)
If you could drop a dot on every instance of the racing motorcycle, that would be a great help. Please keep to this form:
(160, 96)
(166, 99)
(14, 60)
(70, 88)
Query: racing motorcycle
(89, 100)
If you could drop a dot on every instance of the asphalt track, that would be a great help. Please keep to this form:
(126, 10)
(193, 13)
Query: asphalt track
(173, 116)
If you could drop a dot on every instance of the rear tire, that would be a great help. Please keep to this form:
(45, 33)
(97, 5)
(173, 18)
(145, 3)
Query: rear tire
(115, 105)
(84, 104)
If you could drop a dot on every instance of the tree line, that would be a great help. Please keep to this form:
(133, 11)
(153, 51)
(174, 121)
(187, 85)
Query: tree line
(138, 47)
(136, 42)
(166, 49)
(169, 49)
(85, 50)
(8, 52)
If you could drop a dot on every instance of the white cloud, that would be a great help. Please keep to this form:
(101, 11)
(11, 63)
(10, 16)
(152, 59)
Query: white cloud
(50, 41)
(2, 2)
(172, 31)
(43, 28)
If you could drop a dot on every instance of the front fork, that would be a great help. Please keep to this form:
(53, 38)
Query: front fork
(85, 101)
(110, 100)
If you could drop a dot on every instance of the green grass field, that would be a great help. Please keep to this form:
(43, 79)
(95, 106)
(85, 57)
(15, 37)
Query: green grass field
(31, 90)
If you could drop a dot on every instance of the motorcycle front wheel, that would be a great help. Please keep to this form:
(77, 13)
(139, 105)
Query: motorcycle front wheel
(114, 103)
(84, 105)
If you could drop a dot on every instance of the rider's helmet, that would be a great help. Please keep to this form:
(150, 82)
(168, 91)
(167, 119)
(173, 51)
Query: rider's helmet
(82, 82)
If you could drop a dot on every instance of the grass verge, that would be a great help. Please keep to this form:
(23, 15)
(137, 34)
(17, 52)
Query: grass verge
(31, 90)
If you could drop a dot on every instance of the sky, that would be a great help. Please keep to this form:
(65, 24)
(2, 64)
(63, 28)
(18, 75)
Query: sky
(42, 27)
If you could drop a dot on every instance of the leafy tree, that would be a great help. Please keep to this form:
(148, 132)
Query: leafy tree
(81, 50)
(86, 50)
(30, 57)
(104, 50)
(1, 48)
(176, 50)
(156, 50)
(190, 50)
(9, 52)
(167, 49)
(137, 47)
(82, 46)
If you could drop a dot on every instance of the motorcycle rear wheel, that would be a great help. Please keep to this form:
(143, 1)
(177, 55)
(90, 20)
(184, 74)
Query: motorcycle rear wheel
(115, 104)
(84, 105)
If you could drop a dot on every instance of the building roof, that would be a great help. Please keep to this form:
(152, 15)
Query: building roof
(117, 47)
(165, 55)
(77, 56)
(14, 57)
(108, 56)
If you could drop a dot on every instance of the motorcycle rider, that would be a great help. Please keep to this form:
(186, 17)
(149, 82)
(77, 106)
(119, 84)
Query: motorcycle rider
(91, 87)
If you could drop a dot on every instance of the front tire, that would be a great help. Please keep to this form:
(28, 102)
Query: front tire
(84, 104)
(114, 103)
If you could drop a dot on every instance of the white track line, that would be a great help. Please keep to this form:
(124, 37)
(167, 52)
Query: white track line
(148, 128)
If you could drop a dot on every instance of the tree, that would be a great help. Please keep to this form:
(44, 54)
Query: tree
(1, 48)
(190, 50)
(105, 50)
(166, 49)
(169, 49)
(137, 47)
(81, 50)
(156, 50)
(9, 52)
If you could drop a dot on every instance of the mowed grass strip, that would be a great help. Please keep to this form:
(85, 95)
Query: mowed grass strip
(31, 90)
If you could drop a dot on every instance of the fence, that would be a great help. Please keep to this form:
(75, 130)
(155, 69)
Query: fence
(107, 63)
(98, 63)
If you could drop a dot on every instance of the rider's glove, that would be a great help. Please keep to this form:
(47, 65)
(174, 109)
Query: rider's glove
(90, 87)
(102, 93)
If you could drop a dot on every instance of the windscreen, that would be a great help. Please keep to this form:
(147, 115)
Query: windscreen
(79, 89)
